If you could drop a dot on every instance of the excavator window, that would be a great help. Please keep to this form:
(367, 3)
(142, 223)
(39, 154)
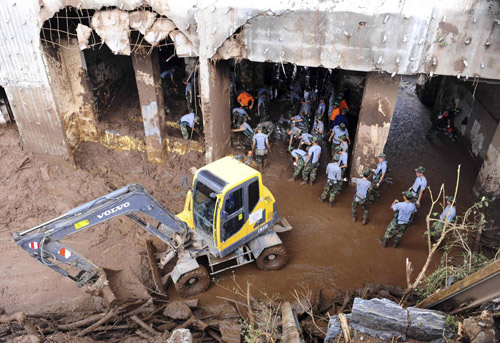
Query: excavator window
(253, 195)
(203, 207)
(236, 216)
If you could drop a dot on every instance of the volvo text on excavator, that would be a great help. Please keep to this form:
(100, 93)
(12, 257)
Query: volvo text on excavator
(229, 219)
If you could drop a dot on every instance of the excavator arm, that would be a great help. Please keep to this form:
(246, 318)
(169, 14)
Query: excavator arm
(42, 242)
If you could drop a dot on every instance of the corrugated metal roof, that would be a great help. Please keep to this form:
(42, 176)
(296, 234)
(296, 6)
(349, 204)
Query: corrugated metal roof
(23, 75)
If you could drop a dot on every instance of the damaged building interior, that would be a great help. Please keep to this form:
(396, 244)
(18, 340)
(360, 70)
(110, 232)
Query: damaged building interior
(301, 171)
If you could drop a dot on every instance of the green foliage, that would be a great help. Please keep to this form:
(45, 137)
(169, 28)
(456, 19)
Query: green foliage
(451, 324)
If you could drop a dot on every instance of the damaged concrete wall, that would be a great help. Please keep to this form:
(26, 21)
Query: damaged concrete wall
(488, 180)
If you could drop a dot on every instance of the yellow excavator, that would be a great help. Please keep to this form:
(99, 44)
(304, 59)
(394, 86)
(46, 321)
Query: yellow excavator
(229, 219)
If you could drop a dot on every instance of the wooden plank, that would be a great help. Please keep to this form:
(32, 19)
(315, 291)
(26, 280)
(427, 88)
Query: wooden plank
(469, 281)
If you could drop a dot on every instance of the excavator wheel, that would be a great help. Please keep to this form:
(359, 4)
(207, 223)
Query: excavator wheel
(194, 282)
(272, 258)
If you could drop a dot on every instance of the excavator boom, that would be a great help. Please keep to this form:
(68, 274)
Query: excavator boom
(42, 242)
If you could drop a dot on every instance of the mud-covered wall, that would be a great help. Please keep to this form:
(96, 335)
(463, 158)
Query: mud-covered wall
(488, 180)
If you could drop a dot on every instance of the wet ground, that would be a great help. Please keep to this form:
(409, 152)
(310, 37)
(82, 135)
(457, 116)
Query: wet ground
(326, 249)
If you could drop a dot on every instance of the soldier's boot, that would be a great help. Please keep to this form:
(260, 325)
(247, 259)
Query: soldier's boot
(354, 218)
(395, 243)
(332, 203)
(303, 182)
(321, 199)
(383, 242)
(292, 179)
(311, 182)
(365, 220)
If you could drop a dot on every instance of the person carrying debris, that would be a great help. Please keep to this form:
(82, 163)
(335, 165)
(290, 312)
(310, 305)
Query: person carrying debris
(339, 130)
(261, 108)
(299, 156)
(312, 163)
(268, 128)
(362, 196)
(186, 121)
(419, 185)
(246, 129)
(245, 100)
(446, 216)
(189, 95)
(402, 219)
(378, 176)
(260, 147)
(239, 116)
(334, 182)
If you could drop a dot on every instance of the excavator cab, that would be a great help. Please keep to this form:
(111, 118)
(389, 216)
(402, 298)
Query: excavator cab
(228, 205)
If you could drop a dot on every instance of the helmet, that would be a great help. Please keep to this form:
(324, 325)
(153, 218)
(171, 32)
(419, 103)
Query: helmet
(336, 158)
(381, 155)
(420, 169)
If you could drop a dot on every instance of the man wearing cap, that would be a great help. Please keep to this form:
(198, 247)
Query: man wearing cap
(378, 176)
(335, 111)
(446, 216)
(343, 144)
(318, 129)
(268, 128)
(239, 116)
(339, 130)
(341, 118)
(189, 95)
(419, 185)
(312, 163)
(186, 121)
(342, 159)
(320, 111)
(363, 186)
(333, 184)
(260, 143)
(299, 156)
(402, 219)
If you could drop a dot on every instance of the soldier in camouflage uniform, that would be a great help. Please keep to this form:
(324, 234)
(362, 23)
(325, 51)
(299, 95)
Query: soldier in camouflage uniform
(402, 219)
(378, 176)
(299, 156)
(362, 196)
(186, 121)
(333, 184)
(312, 163)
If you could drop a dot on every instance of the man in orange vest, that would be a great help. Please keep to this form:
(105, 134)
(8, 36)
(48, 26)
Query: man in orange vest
(335, 112)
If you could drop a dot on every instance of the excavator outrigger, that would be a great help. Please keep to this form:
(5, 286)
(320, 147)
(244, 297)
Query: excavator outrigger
(229, 217)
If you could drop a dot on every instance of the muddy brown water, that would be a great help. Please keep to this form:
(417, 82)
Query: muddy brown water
(326, 249)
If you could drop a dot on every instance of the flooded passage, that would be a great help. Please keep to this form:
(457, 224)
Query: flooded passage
(326, 250)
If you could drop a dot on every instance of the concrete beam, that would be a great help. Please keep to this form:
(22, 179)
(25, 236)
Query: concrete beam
(147, 76)
(214, 91)
(488, 180)
(375, 116)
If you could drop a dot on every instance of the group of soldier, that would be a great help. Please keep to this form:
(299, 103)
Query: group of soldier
(308, 115)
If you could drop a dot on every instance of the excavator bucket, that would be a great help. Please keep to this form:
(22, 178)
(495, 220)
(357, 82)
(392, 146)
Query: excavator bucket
(102, 289)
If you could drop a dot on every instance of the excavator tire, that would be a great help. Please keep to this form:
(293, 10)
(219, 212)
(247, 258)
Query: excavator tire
(194, 282)
(272, 258)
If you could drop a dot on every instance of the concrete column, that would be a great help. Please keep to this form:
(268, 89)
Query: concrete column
(488, 179)
(214, 91)
(377, 107)
(147, 76)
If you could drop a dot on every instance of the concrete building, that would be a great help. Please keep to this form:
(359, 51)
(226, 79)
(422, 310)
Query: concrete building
(53, 75)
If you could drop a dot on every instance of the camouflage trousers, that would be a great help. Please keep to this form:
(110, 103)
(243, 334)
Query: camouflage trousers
(184, 129)
(189, 104)
(334, 145)
(333, 190)
(260, 156)
(365, 204)
(395, 230)
(298, 168)
(309, 171)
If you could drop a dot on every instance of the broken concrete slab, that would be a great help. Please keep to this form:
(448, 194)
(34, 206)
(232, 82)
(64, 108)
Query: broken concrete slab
(425, 325)
(180, 336)
(333, 330)
(113, 27)
(380, 318)
(183, 46)
(159, 31)
(83, 34)
(142, 20)
(230, 331)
